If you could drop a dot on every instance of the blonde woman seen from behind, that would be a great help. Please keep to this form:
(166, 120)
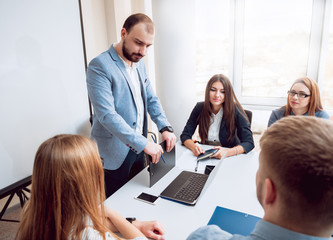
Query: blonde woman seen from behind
(67, 195)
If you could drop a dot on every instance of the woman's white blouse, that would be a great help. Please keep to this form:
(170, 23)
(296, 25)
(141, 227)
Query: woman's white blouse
(215, 124)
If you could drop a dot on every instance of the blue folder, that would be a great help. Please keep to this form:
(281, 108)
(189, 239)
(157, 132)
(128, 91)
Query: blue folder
(233, 222)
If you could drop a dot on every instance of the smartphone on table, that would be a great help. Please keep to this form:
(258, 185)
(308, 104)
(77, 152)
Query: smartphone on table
(148, 198)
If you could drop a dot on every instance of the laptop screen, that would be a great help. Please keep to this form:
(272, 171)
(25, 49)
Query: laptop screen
(158, 170)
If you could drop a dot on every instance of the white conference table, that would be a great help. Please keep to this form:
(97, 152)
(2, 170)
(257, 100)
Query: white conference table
(233, 187)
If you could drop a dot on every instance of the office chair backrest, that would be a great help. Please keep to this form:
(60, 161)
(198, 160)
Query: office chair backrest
(249, 115)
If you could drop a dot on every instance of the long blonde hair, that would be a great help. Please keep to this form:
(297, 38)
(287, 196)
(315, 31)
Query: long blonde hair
(67, 190)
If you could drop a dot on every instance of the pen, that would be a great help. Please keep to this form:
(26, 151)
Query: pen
(155, 142)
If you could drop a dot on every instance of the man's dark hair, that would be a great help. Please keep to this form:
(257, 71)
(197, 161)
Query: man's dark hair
(138, 18)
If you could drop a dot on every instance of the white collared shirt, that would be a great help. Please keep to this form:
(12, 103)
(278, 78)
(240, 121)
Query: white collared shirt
(135, 80)
(215, 124)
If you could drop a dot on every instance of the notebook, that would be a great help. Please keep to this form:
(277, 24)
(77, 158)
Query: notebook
(187, 186)
(158, 170)
(207, 154)
(233, 222)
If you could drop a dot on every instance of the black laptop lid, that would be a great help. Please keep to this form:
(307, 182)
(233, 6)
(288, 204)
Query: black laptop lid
(158, 170)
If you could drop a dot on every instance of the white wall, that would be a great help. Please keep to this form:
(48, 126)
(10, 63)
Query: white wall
(42, 80)
(175, 58)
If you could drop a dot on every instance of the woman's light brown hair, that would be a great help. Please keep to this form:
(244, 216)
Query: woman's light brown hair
(67, 189)
(315, 101)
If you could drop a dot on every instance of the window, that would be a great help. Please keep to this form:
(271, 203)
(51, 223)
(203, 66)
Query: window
(276, 46)
(212, 41)
(327, 83)
(264, 45)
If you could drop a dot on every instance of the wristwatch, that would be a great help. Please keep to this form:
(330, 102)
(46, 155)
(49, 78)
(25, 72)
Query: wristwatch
(131, 219)
(167, 128)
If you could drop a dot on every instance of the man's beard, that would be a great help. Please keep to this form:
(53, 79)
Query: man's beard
(131, 57)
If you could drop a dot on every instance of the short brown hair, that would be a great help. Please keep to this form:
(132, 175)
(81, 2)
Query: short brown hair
(298, 153)
(137, 18)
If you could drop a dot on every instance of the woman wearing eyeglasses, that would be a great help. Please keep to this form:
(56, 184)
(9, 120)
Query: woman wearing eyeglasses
(303, 99)
(221, 119)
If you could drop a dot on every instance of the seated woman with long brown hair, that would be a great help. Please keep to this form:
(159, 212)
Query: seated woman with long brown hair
(221, 119)
(303, 99)
(67, 195)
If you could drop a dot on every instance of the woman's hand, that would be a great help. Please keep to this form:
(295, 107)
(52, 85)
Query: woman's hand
(221, 151)
(196, 149)
(228, 151)
(151, 229)
(116, 223)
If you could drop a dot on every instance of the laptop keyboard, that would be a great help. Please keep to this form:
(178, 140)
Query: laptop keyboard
(191, 188)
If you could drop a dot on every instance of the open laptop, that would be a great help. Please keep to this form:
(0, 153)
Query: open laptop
(187, 186)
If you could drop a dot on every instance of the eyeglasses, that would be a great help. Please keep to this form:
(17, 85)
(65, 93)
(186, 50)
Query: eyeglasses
(299, 95)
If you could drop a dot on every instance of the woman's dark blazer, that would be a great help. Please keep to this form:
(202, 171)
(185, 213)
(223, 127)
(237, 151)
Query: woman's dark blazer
(242, 135)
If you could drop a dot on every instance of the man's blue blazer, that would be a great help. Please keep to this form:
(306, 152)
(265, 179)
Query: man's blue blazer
(115, 115)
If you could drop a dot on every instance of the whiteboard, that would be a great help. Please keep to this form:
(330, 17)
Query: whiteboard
(42, 80)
